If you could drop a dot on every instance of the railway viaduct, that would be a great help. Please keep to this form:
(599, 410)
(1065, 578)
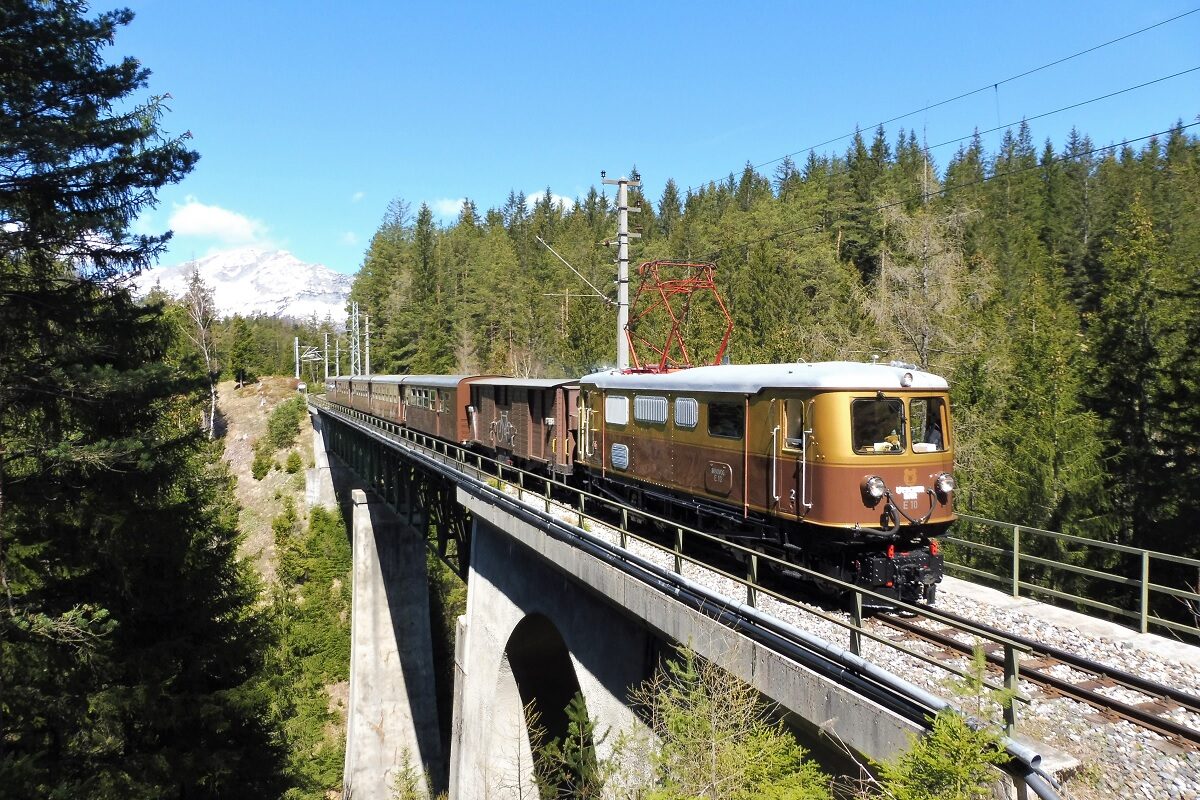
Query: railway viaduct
(552, 610)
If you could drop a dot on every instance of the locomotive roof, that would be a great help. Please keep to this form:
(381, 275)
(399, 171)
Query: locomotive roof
(753, 378)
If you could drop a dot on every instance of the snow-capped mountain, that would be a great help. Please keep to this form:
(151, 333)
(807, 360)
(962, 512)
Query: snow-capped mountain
(251, 281)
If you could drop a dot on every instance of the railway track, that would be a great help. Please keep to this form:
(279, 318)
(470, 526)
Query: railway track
(1040, 666)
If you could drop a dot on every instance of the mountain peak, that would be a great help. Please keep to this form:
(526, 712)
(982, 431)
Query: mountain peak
(250, 281)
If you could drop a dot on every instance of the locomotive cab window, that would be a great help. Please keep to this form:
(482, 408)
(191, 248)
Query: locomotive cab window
(793, 420)
(727, 420)
(877, 425)
(926, 417)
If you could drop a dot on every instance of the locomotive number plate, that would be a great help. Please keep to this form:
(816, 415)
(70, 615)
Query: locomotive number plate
(718, 478)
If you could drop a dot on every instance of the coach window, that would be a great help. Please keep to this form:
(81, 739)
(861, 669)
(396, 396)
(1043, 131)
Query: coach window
(793, 416)
(877, 425)
(726, 419)
(926, 421)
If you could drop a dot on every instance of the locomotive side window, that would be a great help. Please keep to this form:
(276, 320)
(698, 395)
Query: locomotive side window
(925, 416)
(726, 419)
(877, 425)
(793, 415)
(616, 410)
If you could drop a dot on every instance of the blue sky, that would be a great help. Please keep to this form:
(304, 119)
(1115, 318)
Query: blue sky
(310, 116)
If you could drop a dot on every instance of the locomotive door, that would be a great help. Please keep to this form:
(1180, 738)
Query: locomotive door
(793, 484)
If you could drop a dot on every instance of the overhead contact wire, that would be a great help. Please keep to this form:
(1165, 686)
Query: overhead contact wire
(995, 85)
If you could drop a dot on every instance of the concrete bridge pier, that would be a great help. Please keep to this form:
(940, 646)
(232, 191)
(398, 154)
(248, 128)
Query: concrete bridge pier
(392, 715)
(531, 635)
(320, 480)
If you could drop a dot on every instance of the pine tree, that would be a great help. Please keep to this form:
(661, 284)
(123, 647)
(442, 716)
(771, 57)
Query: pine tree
(129, 639)
(241, 351)
(669, 210)
(1132, 337)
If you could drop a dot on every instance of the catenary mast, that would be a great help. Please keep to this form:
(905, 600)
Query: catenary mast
(623, 237)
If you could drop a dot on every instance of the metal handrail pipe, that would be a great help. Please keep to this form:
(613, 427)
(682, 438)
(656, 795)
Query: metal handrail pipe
(1091, 573)
(1070, 537)
(987, 548)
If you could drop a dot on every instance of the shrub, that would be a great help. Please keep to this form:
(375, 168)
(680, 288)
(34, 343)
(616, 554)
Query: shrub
(284, 423)
(953, 761)
(294, 463)
(262, 462)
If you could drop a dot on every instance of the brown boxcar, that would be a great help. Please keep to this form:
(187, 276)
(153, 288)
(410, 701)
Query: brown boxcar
(338, 390)
(360, 393)
(529, 420)
(385, 395)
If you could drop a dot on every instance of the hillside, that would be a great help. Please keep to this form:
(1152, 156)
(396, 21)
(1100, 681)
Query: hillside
(245, 413)
(303, 558)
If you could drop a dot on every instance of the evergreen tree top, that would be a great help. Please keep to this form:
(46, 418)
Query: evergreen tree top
(74, 171)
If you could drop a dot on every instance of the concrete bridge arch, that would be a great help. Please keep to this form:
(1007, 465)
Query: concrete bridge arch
(534, 635)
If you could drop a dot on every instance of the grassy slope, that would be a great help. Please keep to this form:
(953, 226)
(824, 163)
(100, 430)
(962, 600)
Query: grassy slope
(304, 570)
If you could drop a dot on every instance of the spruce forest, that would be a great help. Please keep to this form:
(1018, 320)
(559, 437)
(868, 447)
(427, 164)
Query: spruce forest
(1055, 286)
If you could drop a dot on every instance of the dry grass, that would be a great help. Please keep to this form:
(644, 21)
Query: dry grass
(245, 412)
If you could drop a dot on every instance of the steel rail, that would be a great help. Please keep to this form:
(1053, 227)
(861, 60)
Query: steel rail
(1140, 716)
(1187, 700)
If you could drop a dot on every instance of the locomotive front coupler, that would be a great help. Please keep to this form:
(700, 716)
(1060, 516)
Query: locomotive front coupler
(872, 535)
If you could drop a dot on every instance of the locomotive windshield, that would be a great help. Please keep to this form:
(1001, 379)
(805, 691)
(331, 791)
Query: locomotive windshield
(925, 422)
(877, 425)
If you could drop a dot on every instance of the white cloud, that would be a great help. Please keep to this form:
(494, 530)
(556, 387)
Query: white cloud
(357, 197)
(349, 238)
(194, 218)
(532, 198)
(447, 207)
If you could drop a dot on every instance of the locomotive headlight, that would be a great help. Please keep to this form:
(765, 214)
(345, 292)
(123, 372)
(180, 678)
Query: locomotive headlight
(874, 487)
(906, 379)
(944, 483)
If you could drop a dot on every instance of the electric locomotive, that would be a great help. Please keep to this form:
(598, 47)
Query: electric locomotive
(845, 468)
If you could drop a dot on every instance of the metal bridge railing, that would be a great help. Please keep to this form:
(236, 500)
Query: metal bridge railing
(592, 512)
(1119, 578)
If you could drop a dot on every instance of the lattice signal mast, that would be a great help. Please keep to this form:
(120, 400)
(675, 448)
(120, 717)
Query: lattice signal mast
(660, 284)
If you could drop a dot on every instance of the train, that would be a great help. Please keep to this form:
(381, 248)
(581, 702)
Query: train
(844, 468)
